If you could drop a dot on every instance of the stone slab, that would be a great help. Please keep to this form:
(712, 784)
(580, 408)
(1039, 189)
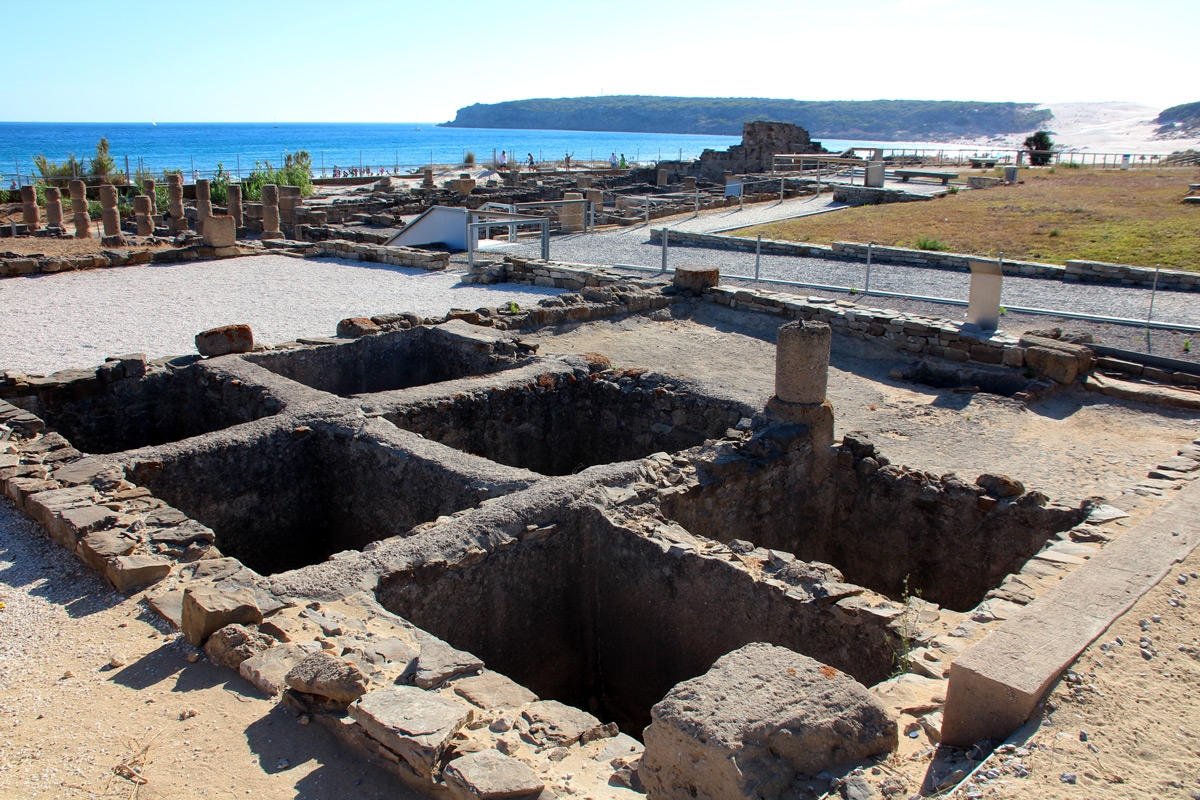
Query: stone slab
(493, 690)
(415, 724)
(996, 684)
(491, 775)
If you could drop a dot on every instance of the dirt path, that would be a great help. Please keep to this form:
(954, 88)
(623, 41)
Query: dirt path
(67, 717)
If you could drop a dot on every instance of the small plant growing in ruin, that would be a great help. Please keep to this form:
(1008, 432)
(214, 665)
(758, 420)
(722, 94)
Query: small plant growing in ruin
(513, 308)
(929, 243)
(1187, 345)
(1003, 311)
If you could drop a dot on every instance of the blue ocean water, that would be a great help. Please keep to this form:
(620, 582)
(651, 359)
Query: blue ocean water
(201, 147)
(237, 146)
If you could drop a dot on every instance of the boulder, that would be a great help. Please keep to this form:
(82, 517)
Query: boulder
(233, 644)
(694, 278)
(328, 676)
(225, 340)
(415, 724)
(1000, 485)
(489, 775)
(560, 725)
(760, 715)
(207, 609)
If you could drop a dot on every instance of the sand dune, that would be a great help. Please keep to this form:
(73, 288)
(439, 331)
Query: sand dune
(1114, 127)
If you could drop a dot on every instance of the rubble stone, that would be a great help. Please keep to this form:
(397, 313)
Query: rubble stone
(328, 676)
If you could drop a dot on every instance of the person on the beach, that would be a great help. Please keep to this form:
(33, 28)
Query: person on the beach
(623, 164)
(531, 161)
(567, 161)
(612, 160)
(503, 160)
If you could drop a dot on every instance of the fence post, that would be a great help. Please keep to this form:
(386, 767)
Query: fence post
(1150, 313)
(757, 256)
(665, 232)
(546, 240)
(647, 211)
(781, 190)
(870, 247)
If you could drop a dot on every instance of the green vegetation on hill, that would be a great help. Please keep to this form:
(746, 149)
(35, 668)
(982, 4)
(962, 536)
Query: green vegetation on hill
(1179, 119)
(841, 119)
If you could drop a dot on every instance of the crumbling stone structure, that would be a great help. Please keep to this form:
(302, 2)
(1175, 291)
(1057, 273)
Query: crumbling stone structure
(29, 208)
(110, 216)
(143, 209)
(270, 212)
(204, 207)
(761, 142)
(234, 204)
(54, 210)
(175, 203)
(79, 210)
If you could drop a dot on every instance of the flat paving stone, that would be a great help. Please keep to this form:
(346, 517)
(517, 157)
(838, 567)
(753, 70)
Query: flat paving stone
(415, 724)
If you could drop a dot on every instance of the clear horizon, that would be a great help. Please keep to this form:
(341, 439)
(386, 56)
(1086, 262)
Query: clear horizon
(240, 62)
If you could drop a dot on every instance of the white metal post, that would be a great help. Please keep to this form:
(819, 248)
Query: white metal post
(757, 255)
(665, 233)
(870, 247)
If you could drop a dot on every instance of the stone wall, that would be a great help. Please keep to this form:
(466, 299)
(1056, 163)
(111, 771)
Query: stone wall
(395, 255)
(870, 196)
(761, 142)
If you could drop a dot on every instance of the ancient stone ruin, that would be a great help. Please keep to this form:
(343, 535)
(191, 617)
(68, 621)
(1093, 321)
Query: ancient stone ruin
(466, 559)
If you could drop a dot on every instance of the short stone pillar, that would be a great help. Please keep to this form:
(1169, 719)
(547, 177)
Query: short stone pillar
(572, 218)
(234, 204)
(79, 210)
(142, 207)
(427, 179)
(270, 212)
(874, 175)
(584, 182)
(689, 184)
(512, 177)
(983, 298)
(29, 209)
(175, 203)
(54, 210)
(802, 378)
(663, 177)
(203, 203)
(693, 279)
(596, 198)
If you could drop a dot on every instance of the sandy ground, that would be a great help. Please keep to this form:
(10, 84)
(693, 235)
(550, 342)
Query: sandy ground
(1115, 127)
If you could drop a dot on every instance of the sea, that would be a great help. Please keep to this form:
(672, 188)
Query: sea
(391, 147)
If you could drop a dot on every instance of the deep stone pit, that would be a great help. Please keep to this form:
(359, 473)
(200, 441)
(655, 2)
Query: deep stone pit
(599, 613)
(280, 496)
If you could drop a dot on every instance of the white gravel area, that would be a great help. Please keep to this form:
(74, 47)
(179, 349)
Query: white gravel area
(76, 319)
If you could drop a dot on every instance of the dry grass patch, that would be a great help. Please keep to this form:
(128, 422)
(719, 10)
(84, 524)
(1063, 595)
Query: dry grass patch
(1133, 217)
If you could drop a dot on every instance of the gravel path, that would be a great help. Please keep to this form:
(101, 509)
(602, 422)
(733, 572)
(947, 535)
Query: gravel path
(632, 246)
(76, 319)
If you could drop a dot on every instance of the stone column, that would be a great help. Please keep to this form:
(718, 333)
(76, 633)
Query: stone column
(79, 210)
(148, 188)
(572, 218)
(802, 377)
(142, 206)
(234, 203)
(427, 181)
(109, 215)
(584, 181)
(270, 212)
(175, 203)
(689, 184)
(54, 214)
(29, 209)
(203, 203)
(290, 199)
(662, 177)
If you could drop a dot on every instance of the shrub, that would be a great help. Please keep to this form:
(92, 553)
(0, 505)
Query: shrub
(469, 158)
(95, 210)
(296, 171)
(55, 174)
(219, 185)
(1039, 146)
(929, 243)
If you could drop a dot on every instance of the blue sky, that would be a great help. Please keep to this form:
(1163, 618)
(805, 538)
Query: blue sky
(419, 61)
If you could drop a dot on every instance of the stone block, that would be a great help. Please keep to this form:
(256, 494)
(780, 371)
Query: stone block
(142, 205)
(108, 196)
(99, 546)
(491, 775)
(270, 194)
(694, 278)
(328, 676)
(207, 609)
(233, 204)
(356, 326)
(560, 725)
(111, 220)
(415, 724)
(129, 574)
(1054, 364)
(83, 224)
(713, 737)
(225, 340)
(439, 662)
(220, 231)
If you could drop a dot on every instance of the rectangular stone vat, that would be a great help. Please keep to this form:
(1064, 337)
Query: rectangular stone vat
(598, 614)
(557, 421)
(395, 360)
(281, 495)
(101, 414)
